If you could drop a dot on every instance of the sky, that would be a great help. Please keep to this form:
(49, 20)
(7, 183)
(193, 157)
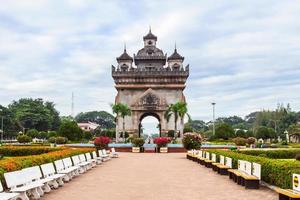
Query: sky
(243, 55)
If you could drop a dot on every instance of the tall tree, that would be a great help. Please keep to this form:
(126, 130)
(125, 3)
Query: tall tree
(121, 110)
(103, 118)
(183, 112)
(175, 110)
(32, 114)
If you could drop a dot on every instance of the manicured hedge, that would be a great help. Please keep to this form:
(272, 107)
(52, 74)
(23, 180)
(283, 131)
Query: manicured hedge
(277, 154)
(17, 163)
(25, 150)
(274, 172)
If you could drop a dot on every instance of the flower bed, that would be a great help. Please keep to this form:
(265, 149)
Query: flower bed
(25, 150)
(277, 154)
(17, 163)
(274, 172)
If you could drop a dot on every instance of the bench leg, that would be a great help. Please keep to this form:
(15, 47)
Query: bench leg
(54, 184)
(40, 191)
(222, 171)
(47, 188)
(283, 197)
(60, 181)
(35, 194)
(23, 196)
(251, 184)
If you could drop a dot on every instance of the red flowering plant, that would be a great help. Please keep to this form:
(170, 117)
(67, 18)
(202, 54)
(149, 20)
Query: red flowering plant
(162, 141)
(102, 142)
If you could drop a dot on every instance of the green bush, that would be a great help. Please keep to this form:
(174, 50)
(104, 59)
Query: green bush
(52, 139)
(191, 141)
(61, 140)
(224, 131)
(138, 142)
(171, 133)
(274, 172)
(275, 154)
(24, 139)
(239, 141)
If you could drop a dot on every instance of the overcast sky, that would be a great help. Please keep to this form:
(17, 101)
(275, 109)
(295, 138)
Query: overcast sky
(243, 55)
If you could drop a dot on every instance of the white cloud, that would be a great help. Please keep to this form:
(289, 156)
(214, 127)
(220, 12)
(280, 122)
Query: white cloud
(244, 56)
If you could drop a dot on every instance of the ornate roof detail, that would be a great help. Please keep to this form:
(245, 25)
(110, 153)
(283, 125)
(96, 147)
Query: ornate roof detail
(176, 56)
(124, 56)
(150, 36)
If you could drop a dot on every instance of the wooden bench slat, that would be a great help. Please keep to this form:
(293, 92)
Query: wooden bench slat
(288, 192)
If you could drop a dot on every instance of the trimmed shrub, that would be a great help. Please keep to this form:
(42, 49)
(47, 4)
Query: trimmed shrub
(275, 154)
(138, 142)
(25, 150)
(274, 172)
(61, 140)
(171, 133)
(24, 139)
(239, 141)
(297, 157)
(191, 141)
(52, 139)
(251, 140)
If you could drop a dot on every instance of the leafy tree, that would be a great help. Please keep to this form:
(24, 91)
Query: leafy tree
(10, 126)
(70, 130)
(33, 114)
(231, 121)
(103, 118)
(197, 125)
(265, 133)
(33, 133)
(241, 133)
(55, 119)
(121, 110)
(224, 131)
(294, 129)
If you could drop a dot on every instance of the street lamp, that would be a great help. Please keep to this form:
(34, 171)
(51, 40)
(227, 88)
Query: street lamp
(214, 130)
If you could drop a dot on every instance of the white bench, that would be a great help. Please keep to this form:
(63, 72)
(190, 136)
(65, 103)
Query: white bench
(114, 153)
(103, 154)
(83, 160)
(98, 158)
(77, 162)
(49, 172)
(90, 159)
(7, 195)
(60, 169)
(69, 165)
(18, 181)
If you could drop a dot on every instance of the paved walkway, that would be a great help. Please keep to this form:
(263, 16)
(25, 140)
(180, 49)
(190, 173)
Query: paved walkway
(154, 177)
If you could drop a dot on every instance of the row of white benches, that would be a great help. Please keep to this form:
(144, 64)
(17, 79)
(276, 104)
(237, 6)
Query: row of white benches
(247, 174)
(33, 182)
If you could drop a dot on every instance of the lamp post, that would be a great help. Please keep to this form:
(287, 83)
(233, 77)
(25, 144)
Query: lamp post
(214, 130)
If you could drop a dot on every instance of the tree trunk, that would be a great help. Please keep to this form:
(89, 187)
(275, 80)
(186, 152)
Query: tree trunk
(175, 118)
(182, 127)
(124, 128)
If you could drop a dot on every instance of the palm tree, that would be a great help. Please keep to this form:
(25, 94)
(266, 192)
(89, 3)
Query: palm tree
(173, 109)
(121, 110)
(183, 111)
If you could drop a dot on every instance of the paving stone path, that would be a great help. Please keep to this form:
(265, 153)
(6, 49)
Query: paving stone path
(154, 177)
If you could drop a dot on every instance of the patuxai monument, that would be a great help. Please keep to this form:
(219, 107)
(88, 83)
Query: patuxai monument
(148, 82)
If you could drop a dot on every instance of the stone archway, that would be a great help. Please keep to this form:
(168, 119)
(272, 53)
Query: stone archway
(146, 114)
(148, 82)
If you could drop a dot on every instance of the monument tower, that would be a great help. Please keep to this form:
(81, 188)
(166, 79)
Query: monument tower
(148, 82)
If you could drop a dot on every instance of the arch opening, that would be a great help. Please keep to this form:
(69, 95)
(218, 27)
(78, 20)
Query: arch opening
(149, 125)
